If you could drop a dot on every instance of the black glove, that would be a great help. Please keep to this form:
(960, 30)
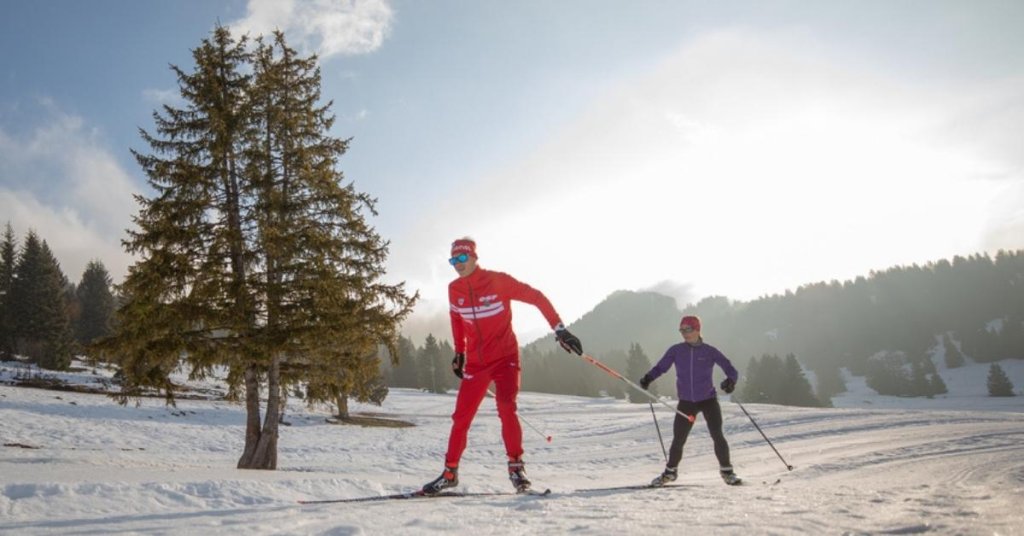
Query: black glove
(728, 385)
(458, 362)
(645, 381)
(569, 342)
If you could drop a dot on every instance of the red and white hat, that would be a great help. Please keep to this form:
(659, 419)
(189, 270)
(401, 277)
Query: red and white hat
(464, 245)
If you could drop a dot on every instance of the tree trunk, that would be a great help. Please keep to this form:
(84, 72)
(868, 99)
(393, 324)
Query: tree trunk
(265, 456)
(284, 406)
(252, 417)
(341, 400)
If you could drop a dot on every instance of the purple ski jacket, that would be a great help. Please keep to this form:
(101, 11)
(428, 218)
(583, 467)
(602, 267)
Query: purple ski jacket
(694, 364)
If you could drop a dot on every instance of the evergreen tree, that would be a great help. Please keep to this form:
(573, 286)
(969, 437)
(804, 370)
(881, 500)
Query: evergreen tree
(919, 383)
(445, 376)
(96, 304)
(637, 364)
(887, 375)
(797, 390)
(829, 381)
(435, 368)
(41, 328)
(405, 372)
(318, 263)
(8, 261)
(749, 390)
(772, 380)
(953, 357)
(980, 344)
(329, 384)
(536, 373)
(936, 385)
(254, 255)
(998, 382)
(1011, 339)
(188, 293)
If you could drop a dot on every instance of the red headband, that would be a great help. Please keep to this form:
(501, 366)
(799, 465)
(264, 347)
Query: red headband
(463, 245)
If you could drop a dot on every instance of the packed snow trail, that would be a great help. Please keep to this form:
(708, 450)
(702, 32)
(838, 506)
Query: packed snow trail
(94, 467)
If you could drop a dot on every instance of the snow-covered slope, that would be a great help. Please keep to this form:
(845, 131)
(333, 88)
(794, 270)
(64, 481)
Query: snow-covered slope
(967, 385)
(99, 468)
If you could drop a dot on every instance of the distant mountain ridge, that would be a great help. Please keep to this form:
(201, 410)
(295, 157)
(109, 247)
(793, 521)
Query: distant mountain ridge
(977, 301)
(624, 317)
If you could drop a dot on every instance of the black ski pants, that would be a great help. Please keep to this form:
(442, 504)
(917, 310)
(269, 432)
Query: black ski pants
(681, 429)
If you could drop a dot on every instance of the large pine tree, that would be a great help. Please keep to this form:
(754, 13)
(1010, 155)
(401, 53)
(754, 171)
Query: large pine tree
(254, 254)
(318, 264)
(188, 292)
(41, 328)
(96, 303)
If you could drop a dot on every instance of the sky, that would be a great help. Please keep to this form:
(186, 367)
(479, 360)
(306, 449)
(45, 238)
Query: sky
(78, 463)
(696, 148)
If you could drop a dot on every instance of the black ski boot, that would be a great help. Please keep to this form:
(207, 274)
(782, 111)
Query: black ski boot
(449, 479)
(669, 475)
(517, 474)
(730, 477)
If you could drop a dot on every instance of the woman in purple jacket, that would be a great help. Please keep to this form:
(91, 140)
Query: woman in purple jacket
(694, 361)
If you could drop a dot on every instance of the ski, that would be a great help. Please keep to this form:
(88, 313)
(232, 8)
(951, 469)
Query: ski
(538, 492)
(419, 494)
(628, 488)
(406, 495)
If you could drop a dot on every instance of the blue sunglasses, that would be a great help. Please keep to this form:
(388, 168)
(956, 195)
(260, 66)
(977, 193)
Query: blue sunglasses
(459, 259)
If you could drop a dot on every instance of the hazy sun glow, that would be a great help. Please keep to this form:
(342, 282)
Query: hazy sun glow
(739, 189)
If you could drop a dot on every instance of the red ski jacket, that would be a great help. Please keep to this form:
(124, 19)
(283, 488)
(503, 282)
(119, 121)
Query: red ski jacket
(481, 314)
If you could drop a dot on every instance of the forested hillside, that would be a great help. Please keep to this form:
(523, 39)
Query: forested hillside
(974, 305)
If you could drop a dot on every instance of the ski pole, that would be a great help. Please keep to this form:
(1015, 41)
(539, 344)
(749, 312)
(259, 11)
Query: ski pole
(658, 428)
(523, 420)
(614, 374)
(789, 467)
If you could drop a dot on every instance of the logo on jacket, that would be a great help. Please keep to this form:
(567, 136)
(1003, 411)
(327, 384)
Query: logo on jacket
(488, 299)
(461, 301)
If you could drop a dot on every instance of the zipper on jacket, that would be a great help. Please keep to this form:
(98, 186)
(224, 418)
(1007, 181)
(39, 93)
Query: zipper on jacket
(691, 373)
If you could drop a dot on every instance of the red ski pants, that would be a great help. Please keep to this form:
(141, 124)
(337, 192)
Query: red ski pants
(505, 375)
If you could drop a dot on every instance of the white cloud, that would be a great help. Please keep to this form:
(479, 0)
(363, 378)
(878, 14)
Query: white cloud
(61, 181)
(327, 27)
(682, 293)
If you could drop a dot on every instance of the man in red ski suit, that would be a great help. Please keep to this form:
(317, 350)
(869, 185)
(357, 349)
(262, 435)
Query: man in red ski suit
(486, 350)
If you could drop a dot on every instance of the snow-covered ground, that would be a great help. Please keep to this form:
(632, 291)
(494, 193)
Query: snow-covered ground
(872, 465)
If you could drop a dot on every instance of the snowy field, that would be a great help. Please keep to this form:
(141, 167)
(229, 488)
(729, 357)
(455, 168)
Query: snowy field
(80, 464)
